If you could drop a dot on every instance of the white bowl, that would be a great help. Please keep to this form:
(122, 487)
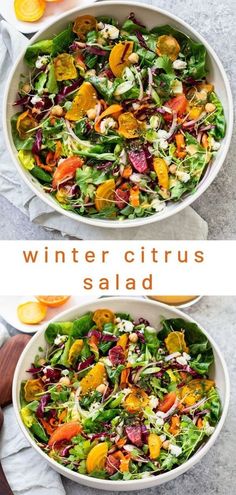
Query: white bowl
(151, 16)
(153, 312)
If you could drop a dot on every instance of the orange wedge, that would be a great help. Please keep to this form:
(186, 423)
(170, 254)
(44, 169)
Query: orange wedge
(29, 10)
(53, 301)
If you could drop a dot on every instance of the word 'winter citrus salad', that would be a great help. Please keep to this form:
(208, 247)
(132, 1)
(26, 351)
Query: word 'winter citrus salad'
(113, 398)
(116, 121)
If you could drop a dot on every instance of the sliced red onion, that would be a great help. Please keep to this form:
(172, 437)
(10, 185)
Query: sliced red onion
(190, 123)
(202, 413)
(194, 406)
(150, 81)
(104, 166)
(173, 126)
(170, 411)
(66, 451)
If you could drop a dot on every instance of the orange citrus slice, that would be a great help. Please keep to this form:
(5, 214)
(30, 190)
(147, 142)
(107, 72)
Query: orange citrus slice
(53, 301)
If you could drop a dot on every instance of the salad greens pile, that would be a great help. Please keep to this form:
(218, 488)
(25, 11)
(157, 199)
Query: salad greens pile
(114, 398)
(116, 121)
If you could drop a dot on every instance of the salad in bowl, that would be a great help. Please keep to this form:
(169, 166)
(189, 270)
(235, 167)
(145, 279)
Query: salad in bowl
(114, 397)
(116, 120)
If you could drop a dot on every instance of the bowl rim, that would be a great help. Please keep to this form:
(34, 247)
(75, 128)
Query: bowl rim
(111, 484)
(167, 212)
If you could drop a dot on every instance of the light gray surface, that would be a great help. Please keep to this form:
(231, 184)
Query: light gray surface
(216, 473)
(216, 21)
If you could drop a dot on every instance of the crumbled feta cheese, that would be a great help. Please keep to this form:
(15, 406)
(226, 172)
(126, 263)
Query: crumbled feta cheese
(125, 326)
(136, 178)
(179, 64)
(162, 137)
(175, 450)
(160, 414)
(162, 438)
(135, 106)
(106, 124)
(153, 401)
(172, 356)
(186, 356)
(209, 429)
(159, 421)
(60, 339)
(183, 176)
(100, 26)
(181, 360)
(191, 149)
(162, 134)
(36, 99)
(41, 61)
(110, 31)
(158, 205)
(177, 87)
(106, 361)
(214, 144)
(154, 122)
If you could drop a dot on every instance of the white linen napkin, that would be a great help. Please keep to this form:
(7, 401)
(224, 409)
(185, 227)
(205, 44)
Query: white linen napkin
(27, 473)
(185, 225)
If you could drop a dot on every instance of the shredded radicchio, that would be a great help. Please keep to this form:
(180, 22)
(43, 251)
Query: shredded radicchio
(34, 371)
(104, 166)
(22, 101)
(96, 334)
(38, 142)
(45, 399)
(67, 90)
(95, 50)
(53, 374)
(85, 364)
(109, 338)
(117, 355)
(135, 20)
